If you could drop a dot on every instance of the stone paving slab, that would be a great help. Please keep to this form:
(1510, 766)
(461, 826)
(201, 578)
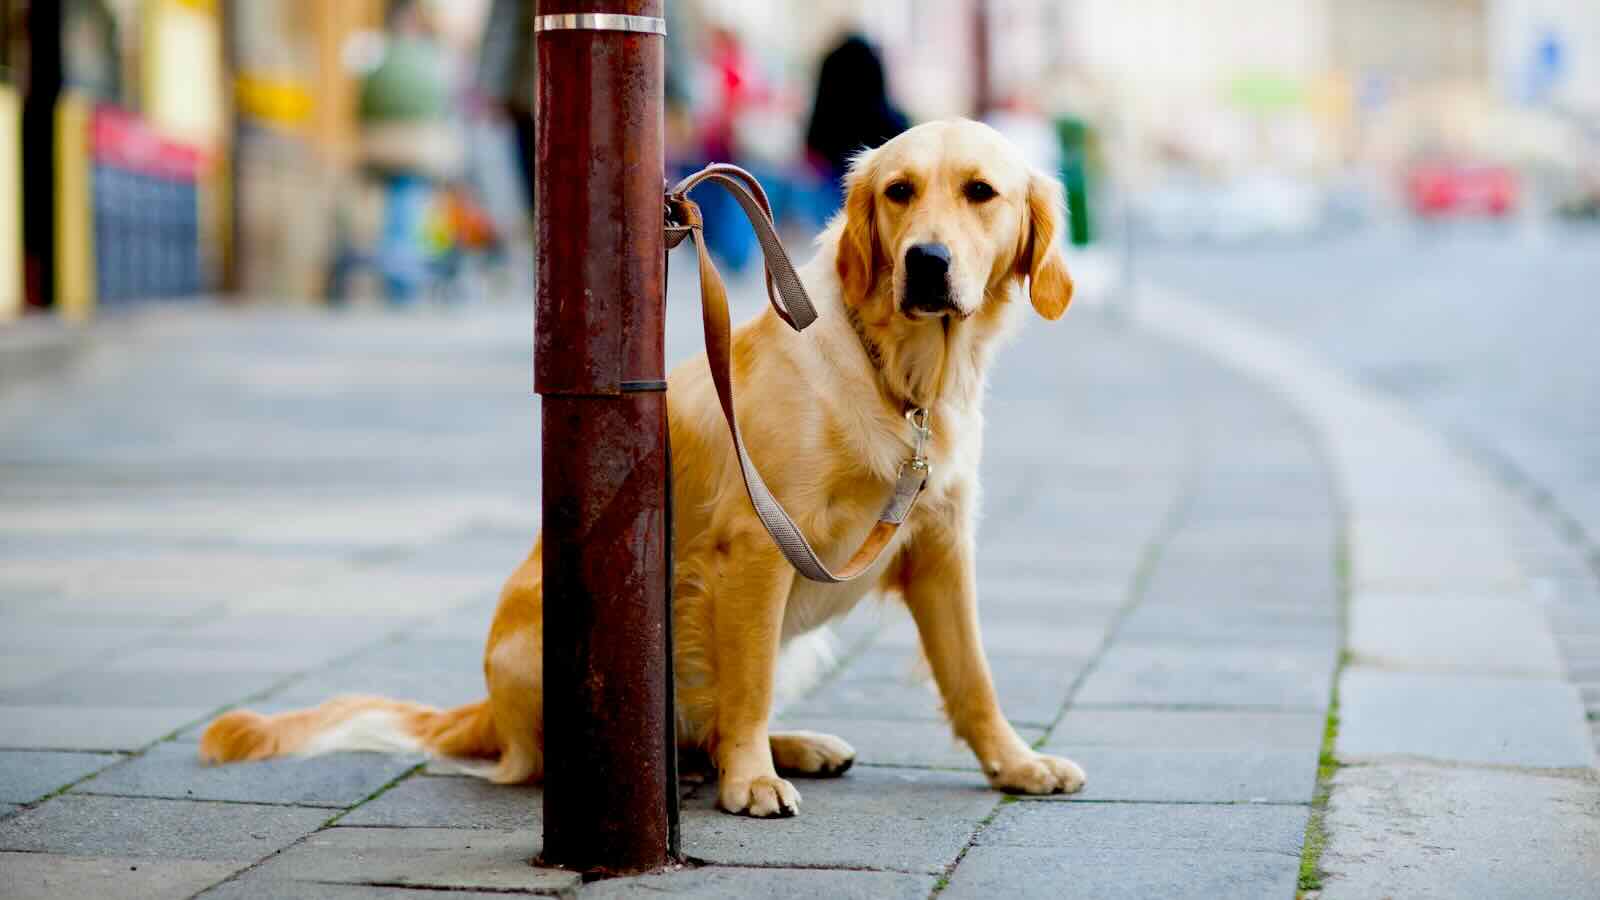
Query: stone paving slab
(157, 829)
(1414, 830)
(1185, 674)
(1081, 604)
(1245, 533)
(252, 658)
(1242, 583)
(91, 727)
(174, 687)
(1066, 636)
(418, 685)
(18, 670)
(174, 771)
(434, 801)
(1462, 719)
(125, 606)
(1032, 873)
(28, 776)
(37, 876)
(1316, 630)
(1041, 561)
(1031, 690)
(422, 650)
(1478, 633)
(1190, 776)
(80, 640)
(377, 593)
(1407, 554)
(905, 820)
(278, 629)
(1149, 826)
(727, 883)
(447, 858)
(1185, 729)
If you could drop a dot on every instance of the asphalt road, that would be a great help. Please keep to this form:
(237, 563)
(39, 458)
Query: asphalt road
(1490, 333)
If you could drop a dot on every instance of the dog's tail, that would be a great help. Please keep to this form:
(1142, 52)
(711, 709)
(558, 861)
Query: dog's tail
(354, 723)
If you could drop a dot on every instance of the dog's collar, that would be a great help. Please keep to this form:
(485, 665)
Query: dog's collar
(868, 345)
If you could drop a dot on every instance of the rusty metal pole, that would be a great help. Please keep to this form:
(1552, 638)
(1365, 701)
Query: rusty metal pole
(609, 797)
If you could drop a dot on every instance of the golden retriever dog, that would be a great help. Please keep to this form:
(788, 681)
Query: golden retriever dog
(916, 281)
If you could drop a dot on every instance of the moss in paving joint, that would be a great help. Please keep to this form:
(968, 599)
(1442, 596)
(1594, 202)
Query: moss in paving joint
(332, 821)
(985, 822)
(391, 785)
(1144, 572)
(1316, 835)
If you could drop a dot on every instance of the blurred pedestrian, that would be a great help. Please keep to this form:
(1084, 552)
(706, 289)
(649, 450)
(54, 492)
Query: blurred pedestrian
(853, 110)
(408, 142)
(505, 76)
(734, 87)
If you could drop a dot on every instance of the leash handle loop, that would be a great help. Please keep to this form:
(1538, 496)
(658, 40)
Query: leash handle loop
(784, 290)
(793, 306)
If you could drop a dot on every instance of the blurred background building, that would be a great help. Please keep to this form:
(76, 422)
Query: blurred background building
(274, 149)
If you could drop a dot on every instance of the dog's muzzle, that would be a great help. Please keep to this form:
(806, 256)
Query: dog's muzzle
(927, 290)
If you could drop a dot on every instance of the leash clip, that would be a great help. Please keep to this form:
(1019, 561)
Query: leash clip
(921, 421)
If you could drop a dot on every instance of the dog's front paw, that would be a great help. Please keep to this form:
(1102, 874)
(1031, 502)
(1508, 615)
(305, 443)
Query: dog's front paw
(764, 797)
(1035, 773)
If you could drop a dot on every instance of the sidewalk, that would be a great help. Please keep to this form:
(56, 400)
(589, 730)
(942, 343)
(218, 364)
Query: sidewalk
(274, 508)
(1462, 765)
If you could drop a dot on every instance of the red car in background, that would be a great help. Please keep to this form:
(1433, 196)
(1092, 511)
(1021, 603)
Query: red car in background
(1436, 190)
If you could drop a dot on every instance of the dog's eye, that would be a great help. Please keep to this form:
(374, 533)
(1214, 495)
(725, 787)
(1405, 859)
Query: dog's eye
(979, 191)
(900, 191)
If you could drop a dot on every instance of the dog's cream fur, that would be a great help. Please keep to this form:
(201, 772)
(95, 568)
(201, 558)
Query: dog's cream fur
(823, 415)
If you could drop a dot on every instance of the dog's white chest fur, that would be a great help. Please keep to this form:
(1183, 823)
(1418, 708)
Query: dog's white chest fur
(813, 604)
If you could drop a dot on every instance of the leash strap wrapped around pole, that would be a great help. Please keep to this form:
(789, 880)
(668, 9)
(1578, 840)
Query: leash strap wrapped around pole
(789, 300)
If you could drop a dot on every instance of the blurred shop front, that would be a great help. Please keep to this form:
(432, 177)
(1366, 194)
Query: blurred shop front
(122, 141)
(153, 142)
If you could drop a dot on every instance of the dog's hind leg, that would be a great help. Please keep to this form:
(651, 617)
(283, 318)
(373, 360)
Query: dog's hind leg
(811, 754)
(513, 665)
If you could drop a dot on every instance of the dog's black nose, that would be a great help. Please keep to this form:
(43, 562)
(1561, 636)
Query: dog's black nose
(927, 260)
(927, 278)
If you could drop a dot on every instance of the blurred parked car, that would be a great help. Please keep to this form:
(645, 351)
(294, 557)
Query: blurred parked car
(1438, 190)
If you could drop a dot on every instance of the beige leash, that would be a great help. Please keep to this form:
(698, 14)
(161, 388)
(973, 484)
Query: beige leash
(789, 300)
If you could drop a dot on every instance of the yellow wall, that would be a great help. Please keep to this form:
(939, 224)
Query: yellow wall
(11, 291)
(75, 269)
(338, 92)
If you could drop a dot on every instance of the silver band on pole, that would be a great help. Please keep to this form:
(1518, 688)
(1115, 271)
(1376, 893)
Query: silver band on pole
(600, 22)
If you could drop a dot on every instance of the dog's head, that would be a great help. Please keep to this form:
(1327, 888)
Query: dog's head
(944, 219)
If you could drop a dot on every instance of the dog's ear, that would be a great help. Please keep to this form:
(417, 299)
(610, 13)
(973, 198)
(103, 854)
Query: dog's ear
(858, 255)
(1049, 285)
